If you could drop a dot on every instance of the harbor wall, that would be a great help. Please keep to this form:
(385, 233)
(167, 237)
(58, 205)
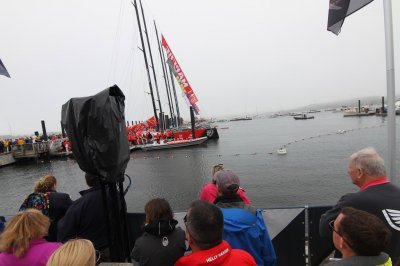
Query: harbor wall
(6, 159)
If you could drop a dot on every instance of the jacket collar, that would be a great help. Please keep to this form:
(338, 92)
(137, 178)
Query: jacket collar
(161, 227)
(375, 182)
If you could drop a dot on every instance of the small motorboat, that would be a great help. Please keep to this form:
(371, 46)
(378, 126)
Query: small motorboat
(281, 151)
(303, 117)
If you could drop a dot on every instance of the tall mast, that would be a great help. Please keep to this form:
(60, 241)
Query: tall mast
(176, 98)
(152, 64)
(146, 63)
(165, 77)
(169, 86)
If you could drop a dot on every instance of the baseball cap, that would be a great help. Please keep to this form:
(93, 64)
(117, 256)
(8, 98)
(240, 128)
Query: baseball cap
(227, 180)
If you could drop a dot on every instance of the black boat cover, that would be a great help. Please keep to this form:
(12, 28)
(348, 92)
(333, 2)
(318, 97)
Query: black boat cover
(95, 126)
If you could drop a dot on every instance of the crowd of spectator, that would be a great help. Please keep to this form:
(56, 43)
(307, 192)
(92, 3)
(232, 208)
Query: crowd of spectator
(222, 228)
(6, 144)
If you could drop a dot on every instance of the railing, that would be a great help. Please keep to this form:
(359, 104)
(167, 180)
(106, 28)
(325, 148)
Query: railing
(294, 233)
(30, 150)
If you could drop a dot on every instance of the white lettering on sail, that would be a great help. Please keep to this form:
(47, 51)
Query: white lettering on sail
(181, 78)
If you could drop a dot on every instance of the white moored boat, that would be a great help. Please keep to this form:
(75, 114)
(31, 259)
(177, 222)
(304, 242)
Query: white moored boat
(174, 144)
(281, 151)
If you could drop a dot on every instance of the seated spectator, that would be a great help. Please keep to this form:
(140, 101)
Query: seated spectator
(210, 191)
(46, 199)
(244, 225)
(361, 237)
(204, 228)
(73, 253)
(86, 218)
(22, 241)
(161, 243)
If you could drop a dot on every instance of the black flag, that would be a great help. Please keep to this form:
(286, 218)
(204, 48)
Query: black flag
(340, 9)
(3, 70)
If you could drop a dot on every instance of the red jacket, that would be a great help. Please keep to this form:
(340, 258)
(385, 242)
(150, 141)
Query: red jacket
(221, 254)
(210, 192)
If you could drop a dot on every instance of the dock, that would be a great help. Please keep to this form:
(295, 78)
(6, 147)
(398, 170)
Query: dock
(30, 150)
(6, 159)
(348, 114)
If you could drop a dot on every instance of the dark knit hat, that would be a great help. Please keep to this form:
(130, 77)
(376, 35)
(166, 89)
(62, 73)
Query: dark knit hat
(227, 181)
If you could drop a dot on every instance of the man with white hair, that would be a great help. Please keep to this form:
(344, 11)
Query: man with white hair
(376, 196)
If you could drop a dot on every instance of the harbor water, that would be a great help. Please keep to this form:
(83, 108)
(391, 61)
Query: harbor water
(313, 172)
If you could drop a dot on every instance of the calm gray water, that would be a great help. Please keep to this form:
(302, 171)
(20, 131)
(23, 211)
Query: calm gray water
(314, 172)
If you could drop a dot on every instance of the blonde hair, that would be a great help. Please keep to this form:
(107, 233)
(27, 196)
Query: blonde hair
(45, 183)
(21, 229)
(74, 252)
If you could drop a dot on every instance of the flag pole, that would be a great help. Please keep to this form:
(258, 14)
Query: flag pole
(387, 8)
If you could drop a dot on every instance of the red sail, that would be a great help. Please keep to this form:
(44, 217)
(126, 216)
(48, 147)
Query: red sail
(180, 76)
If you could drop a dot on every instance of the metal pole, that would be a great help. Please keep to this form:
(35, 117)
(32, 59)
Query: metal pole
(164, 72)
(151, 59)
(176, 98)
(387, 8)
(193, 122)
(145, 61)
(44, 131)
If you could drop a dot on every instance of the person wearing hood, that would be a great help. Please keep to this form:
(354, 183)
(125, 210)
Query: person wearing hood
(162, 243)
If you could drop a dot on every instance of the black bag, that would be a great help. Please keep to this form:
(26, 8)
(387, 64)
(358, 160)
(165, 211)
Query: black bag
(96, 128)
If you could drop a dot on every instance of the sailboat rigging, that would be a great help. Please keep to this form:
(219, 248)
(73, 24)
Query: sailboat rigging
(168, 89)
(156, 131)
(152, 67)
(146, 63)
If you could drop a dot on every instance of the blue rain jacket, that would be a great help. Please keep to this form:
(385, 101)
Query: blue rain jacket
(244, 230)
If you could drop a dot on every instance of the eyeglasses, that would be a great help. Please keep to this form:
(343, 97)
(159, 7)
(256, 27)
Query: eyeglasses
(332, 226)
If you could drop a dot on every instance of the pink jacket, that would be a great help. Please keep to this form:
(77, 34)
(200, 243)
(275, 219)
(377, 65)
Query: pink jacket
(210, 191)
(37, 255)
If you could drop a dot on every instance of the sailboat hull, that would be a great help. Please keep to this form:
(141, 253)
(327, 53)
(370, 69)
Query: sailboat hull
(174, 144)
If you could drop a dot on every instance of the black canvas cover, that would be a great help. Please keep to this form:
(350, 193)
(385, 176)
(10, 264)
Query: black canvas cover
(340, 9)
(95, 126)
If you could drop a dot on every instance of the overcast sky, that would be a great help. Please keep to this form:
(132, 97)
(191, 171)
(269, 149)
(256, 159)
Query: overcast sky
(240, 57)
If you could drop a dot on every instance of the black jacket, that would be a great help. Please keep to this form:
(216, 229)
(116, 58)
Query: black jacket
(379, 200)
(52, 204)
(59, 204)
(86, 218)
(160, 244)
